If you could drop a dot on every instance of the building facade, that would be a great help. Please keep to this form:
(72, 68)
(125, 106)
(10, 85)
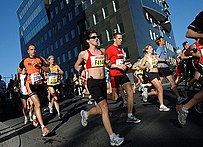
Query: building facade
(57, 26)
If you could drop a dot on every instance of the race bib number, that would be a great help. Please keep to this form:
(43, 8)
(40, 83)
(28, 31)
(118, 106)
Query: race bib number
(97, 61)
(36, 78)
(52, 79)
(119, 61)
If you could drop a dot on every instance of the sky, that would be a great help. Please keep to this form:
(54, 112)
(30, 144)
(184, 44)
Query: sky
(182, 13)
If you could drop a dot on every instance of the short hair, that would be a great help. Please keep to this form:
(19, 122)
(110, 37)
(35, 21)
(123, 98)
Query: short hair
(158, 39)
(115, 34)
(88, 33)
(32, 44)
(184, 43)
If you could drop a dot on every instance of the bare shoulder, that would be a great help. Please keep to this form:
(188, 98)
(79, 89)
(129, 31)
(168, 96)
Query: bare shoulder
(103, 50)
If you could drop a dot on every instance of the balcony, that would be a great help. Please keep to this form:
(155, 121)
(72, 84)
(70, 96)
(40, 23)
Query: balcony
(154, 9)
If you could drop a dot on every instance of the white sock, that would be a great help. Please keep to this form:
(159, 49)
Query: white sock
(130, 114)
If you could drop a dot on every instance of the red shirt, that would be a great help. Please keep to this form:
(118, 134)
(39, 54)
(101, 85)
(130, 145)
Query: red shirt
(94, 61)
(116, 56)
(200, 49)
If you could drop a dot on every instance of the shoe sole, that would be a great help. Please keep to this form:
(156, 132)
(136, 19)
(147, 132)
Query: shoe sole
(82, 119)
(131, 121)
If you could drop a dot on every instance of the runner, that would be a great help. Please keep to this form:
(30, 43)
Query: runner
(53, 84)
(94, 59)
(151, 62)
(118, 77)
(34, 65)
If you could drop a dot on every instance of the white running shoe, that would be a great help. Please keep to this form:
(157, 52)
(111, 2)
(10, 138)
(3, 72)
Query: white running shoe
(163, 108)
(84, 118)
(116, 140)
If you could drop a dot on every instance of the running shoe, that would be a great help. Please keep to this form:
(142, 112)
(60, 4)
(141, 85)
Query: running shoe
(60, 115)
(45, 131)
(50, 109)
(181, 99)
(133, 119)
(182, 114)
(84, 118)
(34, 122)
(144, 95)
(163, 108)
(25, 120)
(30, 116)
(116, 140)
(89, 102)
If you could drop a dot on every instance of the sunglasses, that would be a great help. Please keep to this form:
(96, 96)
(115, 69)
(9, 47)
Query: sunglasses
(93, 37)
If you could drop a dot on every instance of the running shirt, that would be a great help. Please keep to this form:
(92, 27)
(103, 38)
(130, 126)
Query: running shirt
(116, 56)
(94, 61)
(34, 73)
(200, 49)
(197, 24)
(53, 77)
(163, 54)
(152, 62)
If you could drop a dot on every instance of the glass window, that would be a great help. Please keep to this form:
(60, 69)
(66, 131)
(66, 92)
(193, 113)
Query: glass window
(56, 44)
(64, 21)
(75, 51)
(87, 24)
(105, 12)
(120, 28)
(62, 4)
(52, 47)
(70, 16)
(76, 10)
(59, 25)
(61, 41)
(108, 34)
(58, 60)
(67, 1)
(116, 6)
(95, 19)
(72, 33)
(150, 34)
(47, 51)
(49, 33)
(57, 9)
(92, 1)
(64, 57)
(69, 55)
(67, 37)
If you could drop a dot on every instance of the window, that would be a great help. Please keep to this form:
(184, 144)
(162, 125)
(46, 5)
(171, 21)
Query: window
(58, 60)
(150, 33)
(59, 25)
(75, 51)
(49, 32)
(61, 41)
(92, 1)
(76, 10)
(105, 12)
(45, 36)
(116, 6)
(108, 34)
(72, 33)
(69, 55)
(66, 74)
(70, 16)
(67, 37)
(47, 51)
(64, 21)
(57, 10)
(62, 4)
(56, 44)
(52, 47)
(87, 24)
(95, 19)
(67, 1)
(120, 28)
(64, 58)
(147, 15)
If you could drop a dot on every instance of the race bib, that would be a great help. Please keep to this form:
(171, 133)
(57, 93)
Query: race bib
(52, 79)
(36, 78)
(119, 61)
(97, 61)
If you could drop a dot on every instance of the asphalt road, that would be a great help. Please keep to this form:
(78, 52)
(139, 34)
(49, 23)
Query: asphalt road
(160, 129)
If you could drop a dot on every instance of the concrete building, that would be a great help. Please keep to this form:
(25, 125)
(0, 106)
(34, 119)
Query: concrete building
(57, 26)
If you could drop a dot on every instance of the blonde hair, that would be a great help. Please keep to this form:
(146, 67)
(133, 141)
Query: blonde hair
(145, 48)
(51, 56)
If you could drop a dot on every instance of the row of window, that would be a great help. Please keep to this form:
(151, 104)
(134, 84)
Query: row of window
(26, 7)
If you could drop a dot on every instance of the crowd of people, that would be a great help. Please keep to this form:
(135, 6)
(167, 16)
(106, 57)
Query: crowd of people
(102, 75)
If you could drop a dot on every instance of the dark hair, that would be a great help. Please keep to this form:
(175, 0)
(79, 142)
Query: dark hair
(158, 39)
(184, 43)
(115, 34)
(88, 33)
(32, 44)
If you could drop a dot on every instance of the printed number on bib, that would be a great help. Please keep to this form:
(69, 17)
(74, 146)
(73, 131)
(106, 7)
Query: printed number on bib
(119, 61)
(36, 78)
(97, 60)
(52, 79)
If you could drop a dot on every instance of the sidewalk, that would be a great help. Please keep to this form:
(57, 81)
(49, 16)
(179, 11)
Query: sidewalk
(8, 136)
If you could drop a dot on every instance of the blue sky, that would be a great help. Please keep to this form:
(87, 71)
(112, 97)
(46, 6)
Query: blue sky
(182, 13)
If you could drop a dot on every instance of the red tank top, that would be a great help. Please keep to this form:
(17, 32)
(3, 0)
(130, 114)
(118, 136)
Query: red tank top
(94, 61)
(116, 56)
(200, 49)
